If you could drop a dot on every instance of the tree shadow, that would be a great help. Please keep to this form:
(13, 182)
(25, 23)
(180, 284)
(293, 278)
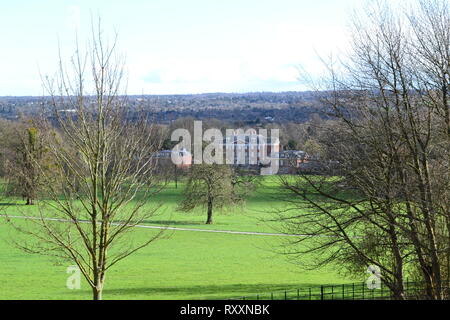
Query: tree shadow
(6, 204)
(210, 291)
(174, 222)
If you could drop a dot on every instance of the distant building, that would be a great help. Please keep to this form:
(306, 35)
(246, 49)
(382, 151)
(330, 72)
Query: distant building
(291, 161)
(165, 157)
(245, 149)
(292, 158)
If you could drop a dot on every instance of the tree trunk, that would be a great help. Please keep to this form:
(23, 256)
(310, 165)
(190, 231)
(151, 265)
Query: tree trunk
(97, 290)
(97, 293)
(176, 177)
(210, 219)
(399, 289)
(399, 294)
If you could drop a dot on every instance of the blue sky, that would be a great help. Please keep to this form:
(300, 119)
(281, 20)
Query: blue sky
(175, 46)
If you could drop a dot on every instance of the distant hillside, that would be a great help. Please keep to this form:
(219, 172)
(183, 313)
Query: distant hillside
(255, 107)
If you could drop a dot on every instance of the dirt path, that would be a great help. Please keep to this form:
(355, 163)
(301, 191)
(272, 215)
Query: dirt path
(171, 228)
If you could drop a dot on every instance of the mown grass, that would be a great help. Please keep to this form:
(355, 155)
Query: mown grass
(182, 265)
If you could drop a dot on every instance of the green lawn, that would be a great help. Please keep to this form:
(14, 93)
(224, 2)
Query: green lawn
(182, 265)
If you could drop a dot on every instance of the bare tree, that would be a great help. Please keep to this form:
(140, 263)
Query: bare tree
(388, 205)
(103, 179)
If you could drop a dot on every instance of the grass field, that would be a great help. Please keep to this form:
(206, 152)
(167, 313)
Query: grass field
(182, 265)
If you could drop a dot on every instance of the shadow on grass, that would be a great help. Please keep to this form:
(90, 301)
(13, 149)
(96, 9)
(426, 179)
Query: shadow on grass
(173, 222)
(6, 204)
(207, 291)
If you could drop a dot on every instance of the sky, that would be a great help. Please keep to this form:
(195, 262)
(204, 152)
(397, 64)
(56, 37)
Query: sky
(176, 46)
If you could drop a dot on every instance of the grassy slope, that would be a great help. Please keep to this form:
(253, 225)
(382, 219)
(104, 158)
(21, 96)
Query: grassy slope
(183, 265)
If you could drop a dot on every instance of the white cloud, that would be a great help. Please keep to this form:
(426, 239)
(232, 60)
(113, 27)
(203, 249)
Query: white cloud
(269, 57)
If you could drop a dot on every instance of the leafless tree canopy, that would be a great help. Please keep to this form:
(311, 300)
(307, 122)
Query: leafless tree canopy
(103, 179)
(388, 202)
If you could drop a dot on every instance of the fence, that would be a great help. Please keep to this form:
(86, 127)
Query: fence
(352, 291)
